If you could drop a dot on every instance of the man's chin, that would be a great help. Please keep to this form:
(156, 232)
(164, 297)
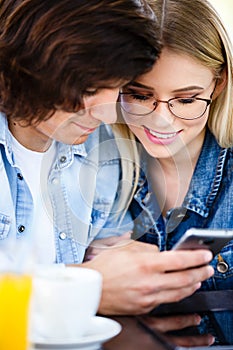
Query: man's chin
(80, 140)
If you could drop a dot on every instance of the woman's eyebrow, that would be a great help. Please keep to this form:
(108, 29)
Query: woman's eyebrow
(188, 88)
(183, 89)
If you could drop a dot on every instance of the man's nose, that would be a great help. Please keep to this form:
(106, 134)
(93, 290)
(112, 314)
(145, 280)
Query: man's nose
(103, 106)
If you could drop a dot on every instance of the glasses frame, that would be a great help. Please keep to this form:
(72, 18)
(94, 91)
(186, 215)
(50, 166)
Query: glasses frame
(155, 104)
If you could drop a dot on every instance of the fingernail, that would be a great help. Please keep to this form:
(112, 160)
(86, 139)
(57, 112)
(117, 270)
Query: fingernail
(197, 319)
(211, 270)
(211, 339)
(198, 285)
(208, 255)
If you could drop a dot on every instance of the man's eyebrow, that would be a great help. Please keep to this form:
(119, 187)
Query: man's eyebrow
(139, 85)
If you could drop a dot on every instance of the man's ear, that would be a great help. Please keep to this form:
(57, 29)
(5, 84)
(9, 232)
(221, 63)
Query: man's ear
(221, 83)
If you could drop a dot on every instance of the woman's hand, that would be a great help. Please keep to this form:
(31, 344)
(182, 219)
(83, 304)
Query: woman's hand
(97, 246)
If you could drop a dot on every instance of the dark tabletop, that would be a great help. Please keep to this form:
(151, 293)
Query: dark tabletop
(215, 309)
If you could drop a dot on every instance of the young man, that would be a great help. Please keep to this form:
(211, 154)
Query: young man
(61, 67)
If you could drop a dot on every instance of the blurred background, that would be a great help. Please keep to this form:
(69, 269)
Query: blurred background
(225, 9)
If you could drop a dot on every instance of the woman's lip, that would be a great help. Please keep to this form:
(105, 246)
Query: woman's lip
(163, 138)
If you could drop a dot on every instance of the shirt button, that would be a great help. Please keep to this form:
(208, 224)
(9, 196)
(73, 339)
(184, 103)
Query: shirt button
(63, 159)
(55, 181)
(21, 228)
(186, 217)
(147, 198)
(20, 176)
(222, 267)
(62, 235)
(175, 218)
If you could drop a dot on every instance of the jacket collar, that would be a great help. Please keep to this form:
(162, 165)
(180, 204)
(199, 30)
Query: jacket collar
(207, 177)
(205, 182)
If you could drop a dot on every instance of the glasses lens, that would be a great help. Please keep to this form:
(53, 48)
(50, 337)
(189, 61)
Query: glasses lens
(136, 104)
(187, 108)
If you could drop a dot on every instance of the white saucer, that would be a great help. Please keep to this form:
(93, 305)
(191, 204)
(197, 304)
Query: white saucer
(101, 330)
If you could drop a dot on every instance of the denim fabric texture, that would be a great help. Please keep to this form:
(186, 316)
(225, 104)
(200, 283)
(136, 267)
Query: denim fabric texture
(208, 204)
(83, 183)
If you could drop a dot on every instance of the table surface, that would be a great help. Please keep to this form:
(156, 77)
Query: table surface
(215, 308)
(133, 337)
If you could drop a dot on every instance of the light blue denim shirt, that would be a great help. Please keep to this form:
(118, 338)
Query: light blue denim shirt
(83, 183)
(208, 204)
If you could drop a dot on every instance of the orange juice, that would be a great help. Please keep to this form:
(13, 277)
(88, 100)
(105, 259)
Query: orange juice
(15, 291)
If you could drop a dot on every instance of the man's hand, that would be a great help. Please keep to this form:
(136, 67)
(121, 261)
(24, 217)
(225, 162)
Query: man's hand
(136, 277)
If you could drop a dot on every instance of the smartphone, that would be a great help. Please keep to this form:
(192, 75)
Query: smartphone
(211, 239)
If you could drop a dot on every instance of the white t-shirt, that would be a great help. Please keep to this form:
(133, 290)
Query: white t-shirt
(35, 167)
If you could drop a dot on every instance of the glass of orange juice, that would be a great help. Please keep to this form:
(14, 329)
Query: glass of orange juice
(15, 292)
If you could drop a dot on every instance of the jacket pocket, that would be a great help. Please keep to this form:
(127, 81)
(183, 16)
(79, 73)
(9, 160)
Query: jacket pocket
(100, 212)
(4, 226)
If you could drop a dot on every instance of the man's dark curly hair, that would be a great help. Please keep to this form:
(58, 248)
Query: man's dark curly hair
(52, 51)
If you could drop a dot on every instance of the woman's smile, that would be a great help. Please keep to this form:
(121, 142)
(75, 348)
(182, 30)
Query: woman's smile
(164, 138)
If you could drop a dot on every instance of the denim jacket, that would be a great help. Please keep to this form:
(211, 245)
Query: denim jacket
(83, 183)
(207, 204)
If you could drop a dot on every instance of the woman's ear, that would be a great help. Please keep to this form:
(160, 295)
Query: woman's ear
(220, 85)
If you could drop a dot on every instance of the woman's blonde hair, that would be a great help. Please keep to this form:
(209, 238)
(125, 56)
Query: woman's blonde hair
(195, 28)
(130, 165)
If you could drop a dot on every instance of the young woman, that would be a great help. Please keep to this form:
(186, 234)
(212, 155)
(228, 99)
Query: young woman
(182, 114)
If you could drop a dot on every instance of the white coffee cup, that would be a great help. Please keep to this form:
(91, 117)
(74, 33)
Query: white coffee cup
(63, 302)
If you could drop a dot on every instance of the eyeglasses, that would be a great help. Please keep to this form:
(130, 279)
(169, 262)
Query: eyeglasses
(183, 108)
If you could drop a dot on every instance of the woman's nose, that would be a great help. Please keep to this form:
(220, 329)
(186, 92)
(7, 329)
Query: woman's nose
(162, 112)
